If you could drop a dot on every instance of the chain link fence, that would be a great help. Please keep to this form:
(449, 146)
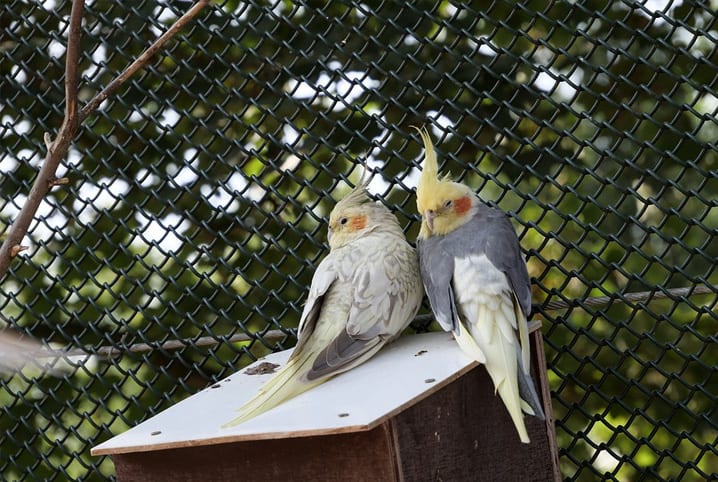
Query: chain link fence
(184, 243)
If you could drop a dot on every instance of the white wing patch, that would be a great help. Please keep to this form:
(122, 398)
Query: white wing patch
(478, 281)
(486, 302)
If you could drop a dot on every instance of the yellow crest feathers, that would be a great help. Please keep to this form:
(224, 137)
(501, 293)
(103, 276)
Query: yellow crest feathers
(432, 193)
(429, 170)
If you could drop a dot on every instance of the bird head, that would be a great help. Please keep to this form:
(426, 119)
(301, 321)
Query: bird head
(444, 205)
(356, 215)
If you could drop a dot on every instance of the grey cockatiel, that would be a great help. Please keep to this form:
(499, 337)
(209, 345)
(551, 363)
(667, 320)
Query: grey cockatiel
(363, 295)
(477, 284)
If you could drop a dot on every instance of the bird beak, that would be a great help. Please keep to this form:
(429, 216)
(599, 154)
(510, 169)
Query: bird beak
(429, 218)
(329, 234)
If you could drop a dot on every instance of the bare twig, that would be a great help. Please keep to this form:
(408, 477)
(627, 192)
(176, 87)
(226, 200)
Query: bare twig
(419, 321)
(17, 249)
(17, 353)
(111, 351)
(642, 296)
(55, 181)
(142, 60)
(423, 321)
(57, 149)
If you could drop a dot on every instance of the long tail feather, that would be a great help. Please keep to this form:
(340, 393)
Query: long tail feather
(523, 329)
(468, 345)
(503, 367)
(531, 403)
(285, 384)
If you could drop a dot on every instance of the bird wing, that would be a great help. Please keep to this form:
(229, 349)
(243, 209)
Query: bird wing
(385, 298)
(503, 250)
(490, 233)
(500, 243)
(324, 277)
(437, 272)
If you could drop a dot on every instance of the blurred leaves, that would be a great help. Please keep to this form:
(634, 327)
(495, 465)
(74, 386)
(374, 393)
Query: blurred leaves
(198, 193)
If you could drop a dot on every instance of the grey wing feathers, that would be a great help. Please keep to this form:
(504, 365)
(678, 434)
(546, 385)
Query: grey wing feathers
(341, 354)
(501, 246)
(492, 233)
(527, 391)
(437, 271)
(512, 262)
(307, 323)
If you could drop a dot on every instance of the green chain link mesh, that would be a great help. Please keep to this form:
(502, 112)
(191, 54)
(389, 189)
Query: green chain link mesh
(183, 245)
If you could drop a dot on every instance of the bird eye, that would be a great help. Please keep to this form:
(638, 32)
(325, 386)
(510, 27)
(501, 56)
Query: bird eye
(448, 203)
(343, 221)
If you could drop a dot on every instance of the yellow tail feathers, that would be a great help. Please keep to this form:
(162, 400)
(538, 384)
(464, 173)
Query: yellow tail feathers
(285, 384)
(468, 345)
(500, 356)
(508, 387)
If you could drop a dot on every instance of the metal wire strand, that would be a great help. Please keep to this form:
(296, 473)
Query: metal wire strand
(420, 321)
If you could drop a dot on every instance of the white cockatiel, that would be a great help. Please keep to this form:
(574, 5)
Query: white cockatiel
(364, 293)
(477, 284)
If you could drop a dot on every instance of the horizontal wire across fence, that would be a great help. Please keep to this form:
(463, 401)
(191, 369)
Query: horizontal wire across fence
(194, 214)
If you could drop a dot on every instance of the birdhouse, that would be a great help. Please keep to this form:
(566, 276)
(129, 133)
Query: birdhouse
(420, 410)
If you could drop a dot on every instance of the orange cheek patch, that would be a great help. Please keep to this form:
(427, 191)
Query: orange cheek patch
(357, 223)
(462, 205)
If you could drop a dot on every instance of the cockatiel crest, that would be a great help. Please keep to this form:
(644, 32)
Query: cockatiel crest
(364, 293)
(355, 215)
(477, 284)
(444, 204)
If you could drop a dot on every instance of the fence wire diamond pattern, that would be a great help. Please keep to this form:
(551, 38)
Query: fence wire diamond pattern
(183, 245)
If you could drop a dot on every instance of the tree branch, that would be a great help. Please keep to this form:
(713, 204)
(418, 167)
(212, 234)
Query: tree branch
(141, 61)
(635, 297)
(112, 351)
(57, 149)
(420, 322)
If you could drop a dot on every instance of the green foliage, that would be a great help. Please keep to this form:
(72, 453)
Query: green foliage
(198, 194)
